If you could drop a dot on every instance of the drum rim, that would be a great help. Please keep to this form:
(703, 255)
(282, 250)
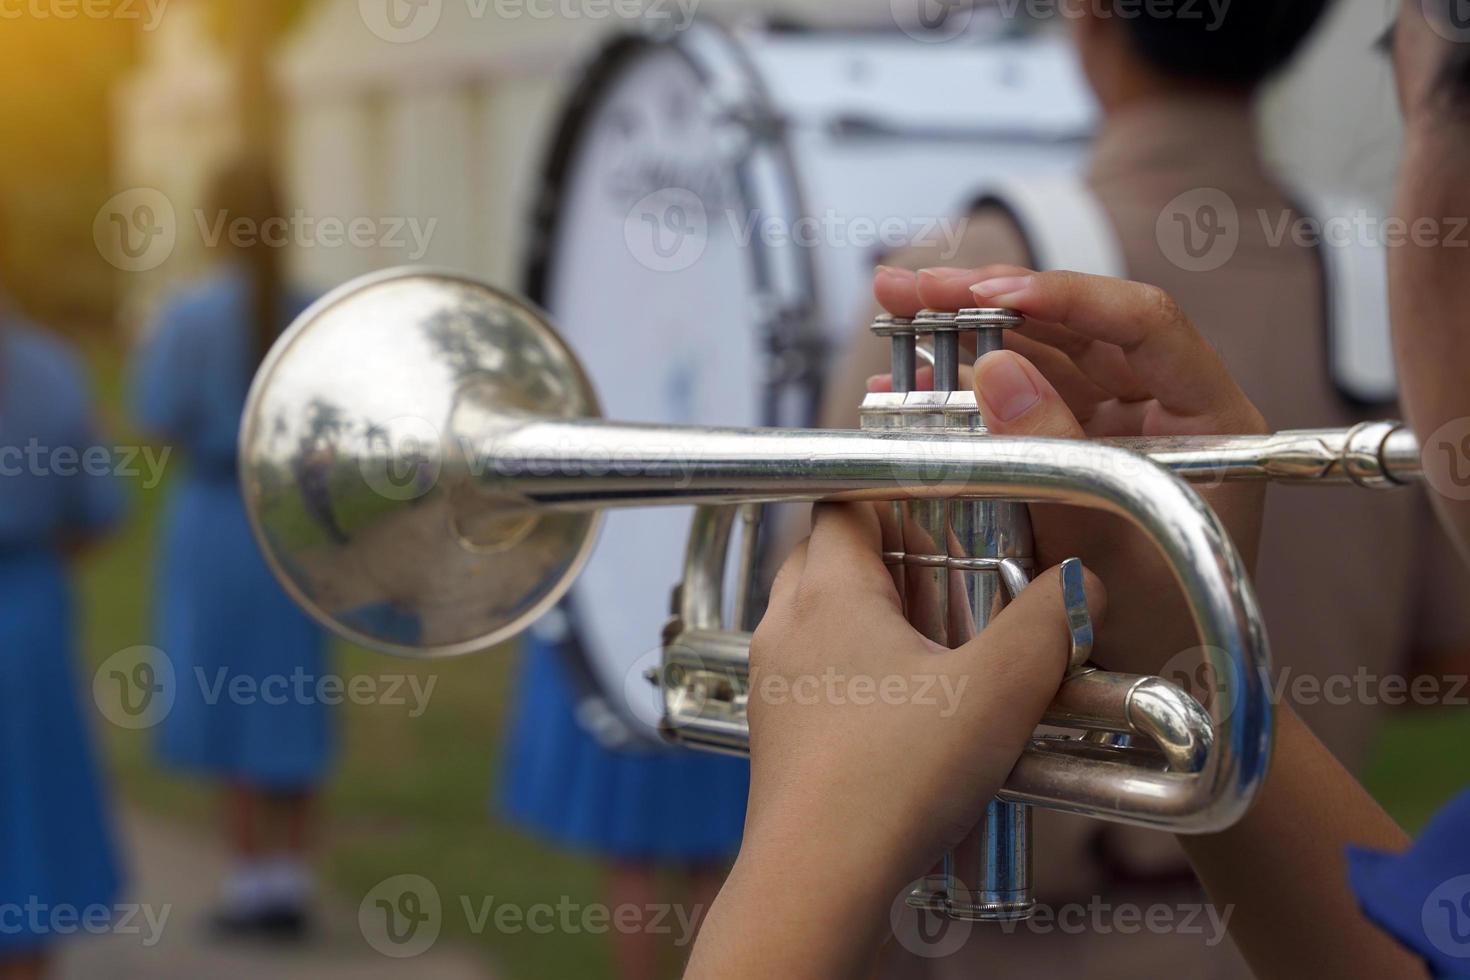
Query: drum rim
(715, 53)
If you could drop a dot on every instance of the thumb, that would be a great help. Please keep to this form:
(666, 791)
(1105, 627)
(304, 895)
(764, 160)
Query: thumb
(1023, 655)
(1017, 400)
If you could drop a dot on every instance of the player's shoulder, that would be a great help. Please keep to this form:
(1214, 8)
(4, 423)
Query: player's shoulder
(201, 303)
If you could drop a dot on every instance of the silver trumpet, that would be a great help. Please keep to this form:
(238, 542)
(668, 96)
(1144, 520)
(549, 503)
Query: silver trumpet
(424, 464)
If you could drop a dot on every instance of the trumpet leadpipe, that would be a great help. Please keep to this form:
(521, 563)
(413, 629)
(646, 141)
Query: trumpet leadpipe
(581, 465)
(1374, 455)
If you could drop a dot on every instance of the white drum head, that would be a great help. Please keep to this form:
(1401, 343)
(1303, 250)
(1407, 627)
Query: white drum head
(649, 285)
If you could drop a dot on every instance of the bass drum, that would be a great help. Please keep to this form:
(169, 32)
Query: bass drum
(709, 216)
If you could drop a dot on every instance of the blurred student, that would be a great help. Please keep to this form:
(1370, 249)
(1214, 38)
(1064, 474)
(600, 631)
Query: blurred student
(56, 847)
(642, 811)
(220, 615)
(1177, 96)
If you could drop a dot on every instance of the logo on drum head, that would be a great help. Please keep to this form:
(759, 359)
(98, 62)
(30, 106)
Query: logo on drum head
(1207, 674)
(1450, 19)
(401, 916)
(927, 934)
(933, 21)
(668, 230)
(1446, 458)
(403, 458)
(135, 688)
(1199, 230)
(401, 21)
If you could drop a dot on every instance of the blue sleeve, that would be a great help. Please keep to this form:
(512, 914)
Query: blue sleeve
(1422, 897)
(164, 374)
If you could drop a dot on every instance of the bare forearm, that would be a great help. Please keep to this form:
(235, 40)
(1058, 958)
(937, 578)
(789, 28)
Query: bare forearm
(776, 918)
(1283, 869)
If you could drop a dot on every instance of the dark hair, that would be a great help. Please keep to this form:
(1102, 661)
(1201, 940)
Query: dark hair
(1455, 75)
(1242, 46)
(246, 188)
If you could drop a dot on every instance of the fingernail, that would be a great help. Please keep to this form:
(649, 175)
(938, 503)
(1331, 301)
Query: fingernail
(1007, 287)
(893, 271)
(947, 273)
(880, 382)
(1006, 390)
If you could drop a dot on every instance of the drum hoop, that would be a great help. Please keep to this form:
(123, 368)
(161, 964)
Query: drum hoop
(719, 58)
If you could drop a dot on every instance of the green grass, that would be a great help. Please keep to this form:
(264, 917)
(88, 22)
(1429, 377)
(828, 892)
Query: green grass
(413, 795)
(1420, 763)
(410, 795)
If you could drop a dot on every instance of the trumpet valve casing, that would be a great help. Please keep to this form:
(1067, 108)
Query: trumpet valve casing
(956, 563)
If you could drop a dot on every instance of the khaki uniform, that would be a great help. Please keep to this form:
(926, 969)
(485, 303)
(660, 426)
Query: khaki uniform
(1339, 568)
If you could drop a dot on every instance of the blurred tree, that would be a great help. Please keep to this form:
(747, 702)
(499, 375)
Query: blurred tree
(57, 74)
(55, 78)
(247, 30)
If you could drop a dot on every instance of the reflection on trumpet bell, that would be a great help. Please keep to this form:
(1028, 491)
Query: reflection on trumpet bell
(364, 500)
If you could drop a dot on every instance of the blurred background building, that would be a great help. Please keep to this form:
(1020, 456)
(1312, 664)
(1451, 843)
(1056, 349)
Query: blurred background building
(449, 127)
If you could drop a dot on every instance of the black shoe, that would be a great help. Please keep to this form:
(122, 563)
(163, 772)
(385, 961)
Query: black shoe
(277, 923)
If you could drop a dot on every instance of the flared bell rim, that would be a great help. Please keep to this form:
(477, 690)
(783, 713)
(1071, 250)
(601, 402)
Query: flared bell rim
(281, 350)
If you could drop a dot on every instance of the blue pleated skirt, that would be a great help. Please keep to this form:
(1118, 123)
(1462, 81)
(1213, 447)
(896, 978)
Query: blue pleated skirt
(223, 621)
(56, 848)
(654, 805)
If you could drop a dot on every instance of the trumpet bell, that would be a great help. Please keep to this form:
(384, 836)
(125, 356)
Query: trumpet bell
(360, 489)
